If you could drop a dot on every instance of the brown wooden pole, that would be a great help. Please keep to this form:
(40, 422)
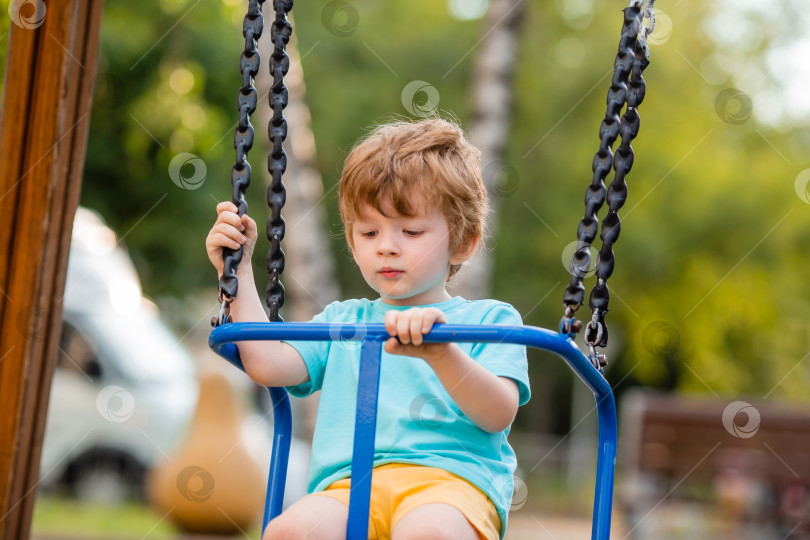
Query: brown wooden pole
(44, 120)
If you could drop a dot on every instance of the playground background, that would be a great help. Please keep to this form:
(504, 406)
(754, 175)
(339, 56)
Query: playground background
(710, 285)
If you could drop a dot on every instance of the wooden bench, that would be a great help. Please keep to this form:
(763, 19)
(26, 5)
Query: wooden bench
(727, 464)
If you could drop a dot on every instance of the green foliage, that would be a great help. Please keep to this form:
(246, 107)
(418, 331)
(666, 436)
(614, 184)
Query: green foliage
(161, 90)
(709, 288)
(706, 296)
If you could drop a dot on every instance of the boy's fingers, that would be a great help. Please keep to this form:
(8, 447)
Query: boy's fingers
(230, 218)
(416, 330)
(227, 206)
(228, 213)
(230, 240)
(219, 240)
(390, 345)
(409, 326)
(394, 346)
(427, 322)
(230, 231)
(431, 317)
(404, 329)
(391, 322)
(437, 315)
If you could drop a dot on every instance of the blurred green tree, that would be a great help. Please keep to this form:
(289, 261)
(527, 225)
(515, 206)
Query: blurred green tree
(708, 296)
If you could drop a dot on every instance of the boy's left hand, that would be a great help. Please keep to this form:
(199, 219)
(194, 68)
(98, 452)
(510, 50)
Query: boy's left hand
(409, 326)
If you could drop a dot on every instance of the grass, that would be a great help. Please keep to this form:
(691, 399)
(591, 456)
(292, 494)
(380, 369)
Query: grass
(55, 516)
(61, 517)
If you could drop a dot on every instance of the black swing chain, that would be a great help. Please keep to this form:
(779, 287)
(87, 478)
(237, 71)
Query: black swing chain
(596, 332)
(252, 28)
(627, 86)
(280, 33)
(247, 99)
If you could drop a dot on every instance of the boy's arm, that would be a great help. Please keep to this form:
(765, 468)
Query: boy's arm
(270, 363)
(487, 399)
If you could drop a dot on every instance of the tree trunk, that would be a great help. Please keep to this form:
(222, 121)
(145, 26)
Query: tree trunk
(491, 119)
(309, 274)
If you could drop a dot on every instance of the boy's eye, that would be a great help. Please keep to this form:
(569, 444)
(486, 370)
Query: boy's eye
(368, 234)
(412, 233)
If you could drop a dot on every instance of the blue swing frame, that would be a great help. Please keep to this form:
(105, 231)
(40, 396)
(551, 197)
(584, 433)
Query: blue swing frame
(222, 339)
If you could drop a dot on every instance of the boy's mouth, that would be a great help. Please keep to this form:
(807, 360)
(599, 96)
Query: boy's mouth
(387, 272)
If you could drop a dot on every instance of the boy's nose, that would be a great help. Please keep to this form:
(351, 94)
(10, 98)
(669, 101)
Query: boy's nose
(388, 250)
(387, 245)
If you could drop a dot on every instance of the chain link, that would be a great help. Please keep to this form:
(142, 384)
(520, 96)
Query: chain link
(252, 27)
(280, 32)
(646, 31)
(628, 87)
(617, 192)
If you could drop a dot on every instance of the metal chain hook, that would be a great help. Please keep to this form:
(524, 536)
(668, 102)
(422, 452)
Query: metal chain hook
(569, 323)
(595, 325)
(224, 309)
(599, 361)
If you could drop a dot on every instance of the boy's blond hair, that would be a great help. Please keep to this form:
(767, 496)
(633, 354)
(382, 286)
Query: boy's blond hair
(408, 163)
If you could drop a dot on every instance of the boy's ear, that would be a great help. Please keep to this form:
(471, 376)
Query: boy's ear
(463, 253)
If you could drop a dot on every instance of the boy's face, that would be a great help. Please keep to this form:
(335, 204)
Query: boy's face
(404, 258)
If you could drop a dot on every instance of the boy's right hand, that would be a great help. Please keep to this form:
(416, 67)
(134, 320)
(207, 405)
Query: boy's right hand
(231, 232)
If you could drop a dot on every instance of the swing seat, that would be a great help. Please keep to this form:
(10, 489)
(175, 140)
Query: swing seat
(222, 338)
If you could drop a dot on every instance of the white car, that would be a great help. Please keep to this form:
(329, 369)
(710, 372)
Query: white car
(124, 390)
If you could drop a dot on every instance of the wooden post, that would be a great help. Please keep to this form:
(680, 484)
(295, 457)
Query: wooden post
(44, 120)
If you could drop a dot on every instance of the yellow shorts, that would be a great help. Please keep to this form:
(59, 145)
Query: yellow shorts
(398, 488)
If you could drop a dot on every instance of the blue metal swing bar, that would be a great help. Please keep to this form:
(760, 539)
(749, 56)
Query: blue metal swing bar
(373, 336)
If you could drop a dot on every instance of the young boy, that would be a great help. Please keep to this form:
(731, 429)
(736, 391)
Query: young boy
(413, 206)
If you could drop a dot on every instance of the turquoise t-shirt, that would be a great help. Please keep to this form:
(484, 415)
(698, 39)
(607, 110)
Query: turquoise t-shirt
(417, 421)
